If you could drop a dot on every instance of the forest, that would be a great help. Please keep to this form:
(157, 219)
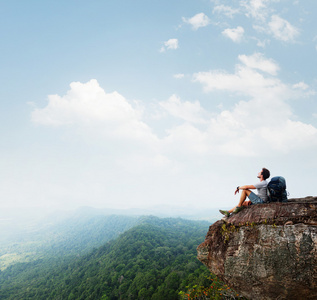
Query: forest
(137, 258)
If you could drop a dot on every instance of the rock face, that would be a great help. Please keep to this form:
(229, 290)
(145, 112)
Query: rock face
(266, 251)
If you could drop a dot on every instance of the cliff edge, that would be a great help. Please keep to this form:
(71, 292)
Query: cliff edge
(266, 251)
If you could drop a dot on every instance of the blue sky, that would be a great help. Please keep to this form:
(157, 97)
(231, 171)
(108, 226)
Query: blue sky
(141, 104)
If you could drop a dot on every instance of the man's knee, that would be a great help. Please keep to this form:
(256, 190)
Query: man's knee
(248, 192)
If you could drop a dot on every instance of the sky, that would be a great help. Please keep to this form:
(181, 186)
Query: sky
(155, 104)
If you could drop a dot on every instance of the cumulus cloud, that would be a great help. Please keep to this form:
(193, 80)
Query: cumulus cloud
(252, 123)
(235, 34)
(282, 29)
(225, 10)
(262, 122)
(179, 76)
(301, 85)
(171, 44)
(303, 90)
(197, 21)
(87, 105)
(263, 18)
(186, 139)
(256, 9)
(245, 80)
(188, 111)
(262, 43)
(258, 61)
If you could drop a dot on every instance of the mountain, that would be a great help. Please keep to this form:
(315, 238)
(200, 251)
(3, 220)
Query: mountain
(61, 234)
(154, 259)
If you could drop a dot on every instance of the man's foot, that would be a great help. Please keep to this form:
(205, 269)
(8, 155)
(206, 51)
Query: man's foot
(225, 213)
(237, 209)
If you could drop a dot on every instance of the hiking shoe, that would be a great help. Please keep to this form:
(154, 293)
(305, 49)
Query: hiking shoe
(225, 213)
(237, 209)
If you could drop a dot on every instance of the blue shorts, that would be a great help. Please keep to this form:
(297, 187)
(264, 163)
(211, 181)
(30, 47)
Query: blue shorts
(255, 199)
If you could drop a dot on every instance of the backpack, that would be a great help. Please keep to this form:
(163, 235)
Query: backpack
(276, 189)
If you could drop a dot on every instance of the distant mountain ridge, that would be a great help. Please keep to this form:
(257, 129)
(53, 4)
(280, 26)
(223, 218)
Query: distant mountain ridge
(154, 259)
(21, 234)
(70, 234)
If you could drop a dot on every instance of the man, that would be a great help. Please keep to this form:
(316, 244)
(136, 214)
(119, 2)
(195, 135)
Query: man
(260, 197)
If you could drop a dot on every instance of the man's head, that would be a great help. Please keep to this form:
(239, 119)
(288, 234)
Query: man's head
(265, 173)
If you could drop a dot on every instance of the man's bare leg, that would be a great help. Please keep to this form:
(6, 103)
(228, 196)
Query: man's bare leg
(244, 195)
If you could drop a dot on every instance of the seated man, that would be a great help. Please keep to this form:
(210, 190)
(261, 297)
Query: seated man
(261, 196)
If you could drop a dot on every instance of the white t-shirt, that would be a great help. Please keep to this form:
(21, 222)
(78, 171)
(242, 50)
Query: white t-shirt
(261, 190)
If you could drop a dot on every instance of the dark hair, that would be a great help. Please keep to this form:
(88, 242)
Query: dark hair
(266, 173)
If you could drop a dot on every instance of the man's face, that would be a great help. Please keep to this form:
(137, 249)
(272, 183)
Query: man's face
(260, 174)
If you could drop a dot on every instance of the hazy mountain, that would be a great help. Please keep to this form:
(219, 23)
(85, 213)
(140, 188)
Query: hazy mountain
(153, 259)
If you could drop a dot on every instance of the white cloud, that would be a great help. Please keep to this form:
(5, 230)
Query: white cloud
(87, 105)
(186, 139)
(301, 85)
(235, 34)
(303, 90)
(262, 43)
(262, 122)
(282, 29)
(257, 61)
(256, 9)
(178, 76)
(267, 22)
(245, 80)
(203, 146)
(197, 21)
(258, 125)
(171, 44)
(226, 10)
(188, 111)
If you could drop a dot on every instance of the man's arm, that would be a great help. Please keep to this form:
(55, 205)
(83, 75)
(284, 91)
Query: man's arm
(245, 187)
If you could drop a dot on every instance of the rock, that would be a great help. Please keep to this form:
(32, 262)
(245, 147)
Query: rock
(266, 251)
(289, 223)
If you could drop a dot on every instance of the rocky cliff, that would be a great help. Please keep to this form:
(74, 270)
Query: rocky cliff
(266, 251)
